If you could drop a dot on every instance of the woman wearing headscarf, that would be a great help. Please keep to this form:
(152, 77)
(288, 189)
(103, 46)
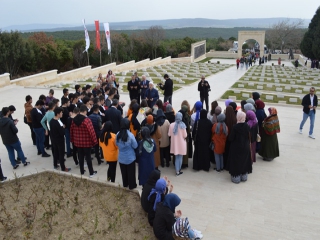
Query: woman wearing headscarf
(243, 102)
(146, 151)
(219, 138)
(240, 164)
(202, 137)
(196, 115)
(253, 124)
(234, 106)
(165, 217)
(156, 196)
(189, 140)
(230, 121)
(249, 106)
(134, 123)
(127, 144)
(151, 182)
(169, 113)
(255, 96)
(217, 112)
(269, 140)
(186, 119)
(178, 134)
(156, 136)
(163, 125)
(110, 150)
(214, 104)
(250, 100)
(261, 115)
(227, 102)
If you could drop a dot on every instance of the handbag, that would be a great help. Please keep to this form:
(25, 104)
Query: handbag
(211, 145)
(25, 119)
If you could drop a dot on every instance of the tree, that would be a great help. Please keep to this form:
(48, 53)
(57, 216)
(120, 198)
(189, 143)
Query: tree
(285, 34)
(310, 44)
(12, 52)
(153, 36)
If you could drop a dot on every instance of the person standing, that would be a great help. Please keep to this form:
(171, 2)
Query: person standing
(151, 95)
(134, 88)
(309, 103)
(8, 132)
(204, 88)
(238, 62)
(114, 115)
(168, 89)
(57, 134)
(27, 111)
(178, 147)
(36, 116)
(97, 126)
(144, 86)
(2, 177)
(83, 136)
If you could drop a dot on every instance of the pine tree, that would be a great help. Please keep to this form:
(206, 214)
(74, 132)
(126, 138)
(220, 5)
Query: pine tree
(310, 45)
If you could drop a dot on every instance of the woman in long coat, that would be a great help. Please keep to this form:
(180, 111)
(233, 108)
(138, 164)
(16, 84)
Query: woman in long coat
(146, 149)
(261, 115)
(230, 121)
(253, 124)
(156, 136)
(269, 140)
(239, 160)
(202, 137)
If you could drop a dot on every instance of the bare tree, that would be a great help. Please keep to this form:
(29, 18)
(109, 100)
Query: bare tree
(285, 34)
(153, 36)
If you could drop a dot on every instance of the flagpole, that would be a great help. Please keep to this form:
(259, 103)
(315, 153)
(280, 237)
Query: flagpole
(88, 57)
(100, 57)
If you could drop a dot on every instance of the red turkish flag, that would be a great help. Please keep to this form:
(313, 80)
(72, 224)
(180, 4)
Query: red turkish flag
(97, 35)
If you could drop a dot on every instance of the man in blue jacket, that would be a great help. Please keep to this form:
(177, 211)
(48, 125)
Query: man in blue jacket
(152, 95)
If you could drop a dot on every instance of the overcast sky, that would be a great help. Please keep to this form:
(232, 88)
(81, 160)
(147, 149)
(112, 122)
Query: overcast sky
(20, 12)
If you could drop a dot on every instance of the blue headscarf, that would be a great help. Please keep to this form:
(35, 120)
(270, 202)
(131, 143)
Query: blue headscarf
(171, 201)
(178, 123)
(198, 107)
(159, 189)
(220, 118)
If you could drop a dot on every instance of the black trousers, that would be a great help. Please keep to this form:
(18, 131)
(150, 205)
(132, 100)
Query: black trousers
(128, 172)
(75, 154)
(137, 97)
(97, 152)
(205, 98)
(1, 174)
(111, 174)
(85, 153)
(165, 153)
(58, 153)
(33, 135)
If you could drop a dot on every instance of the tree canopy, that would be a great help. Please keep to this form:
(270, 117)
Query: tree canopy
(310, 45)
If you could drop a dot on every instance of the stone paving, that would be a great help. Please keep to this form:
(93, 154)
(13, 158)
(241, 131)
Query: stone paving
(280, 200)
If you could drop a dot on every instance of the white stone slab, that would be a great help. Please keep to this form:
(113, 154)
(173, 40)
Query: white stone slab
(292, 82)
(233, 97)
(280, 96)
(309, 84)
(279, 89)
(293, 100)
(276, 81)
(250, 84)
(236, 91)
(260, 87)
(240, 85)
(269, 97)
(287, 87)
(269, 85)
(245, 95)
(298, 91)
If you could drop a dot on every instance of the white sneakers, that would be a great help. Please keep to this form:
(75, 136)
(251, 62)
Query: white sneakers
(300, 131)
(312, 136)
(198, 234)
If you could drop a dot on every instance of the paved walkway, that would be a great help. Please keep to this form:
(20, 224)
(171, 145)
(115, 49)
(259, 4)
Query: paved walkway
(280, 200)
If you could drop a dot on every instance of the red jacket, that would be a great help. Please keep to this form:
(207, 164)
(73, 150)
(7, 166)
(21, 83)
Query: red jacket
(218, 139)
(82, 133)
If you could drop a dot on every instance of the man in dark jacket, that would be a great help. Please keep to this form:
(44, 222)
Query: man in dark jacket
(57, 133)
(83, 136)
(144, 86)
(114, 115)
(8, 132)
(134, 89)
(309, 103)
(204, 88)
(36, 116)
(168, 89)
(97, 126)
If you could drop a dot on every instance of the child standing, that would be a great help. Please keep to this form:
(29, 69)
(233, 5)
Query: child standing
(219, 137)
(110, 149)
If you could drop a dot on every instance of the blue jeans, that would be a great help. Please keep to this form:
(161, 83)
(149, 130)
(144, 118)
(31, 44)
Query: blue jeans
(15, 146)
(304, 119)
(67, 135)
(39, 139)
(219, 161)
(178, 162)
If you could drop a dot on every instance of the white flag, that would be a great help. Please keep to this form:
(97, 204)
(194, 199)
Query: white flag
(107, 32)
(86, 35)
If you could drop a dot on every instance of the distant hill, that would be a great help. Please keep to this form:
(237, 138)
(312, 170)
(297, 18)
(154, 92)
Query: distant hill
(166, 24)
(176, 33)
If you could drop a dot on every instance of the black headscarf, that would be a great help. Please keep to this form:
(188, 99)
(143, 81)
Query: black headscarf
(106, 132)
(255, 96)
(135, 111)
(124, 126)
(243, 102)
(203, 114)
(160, 117)
(145, 134)
(234, 106)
